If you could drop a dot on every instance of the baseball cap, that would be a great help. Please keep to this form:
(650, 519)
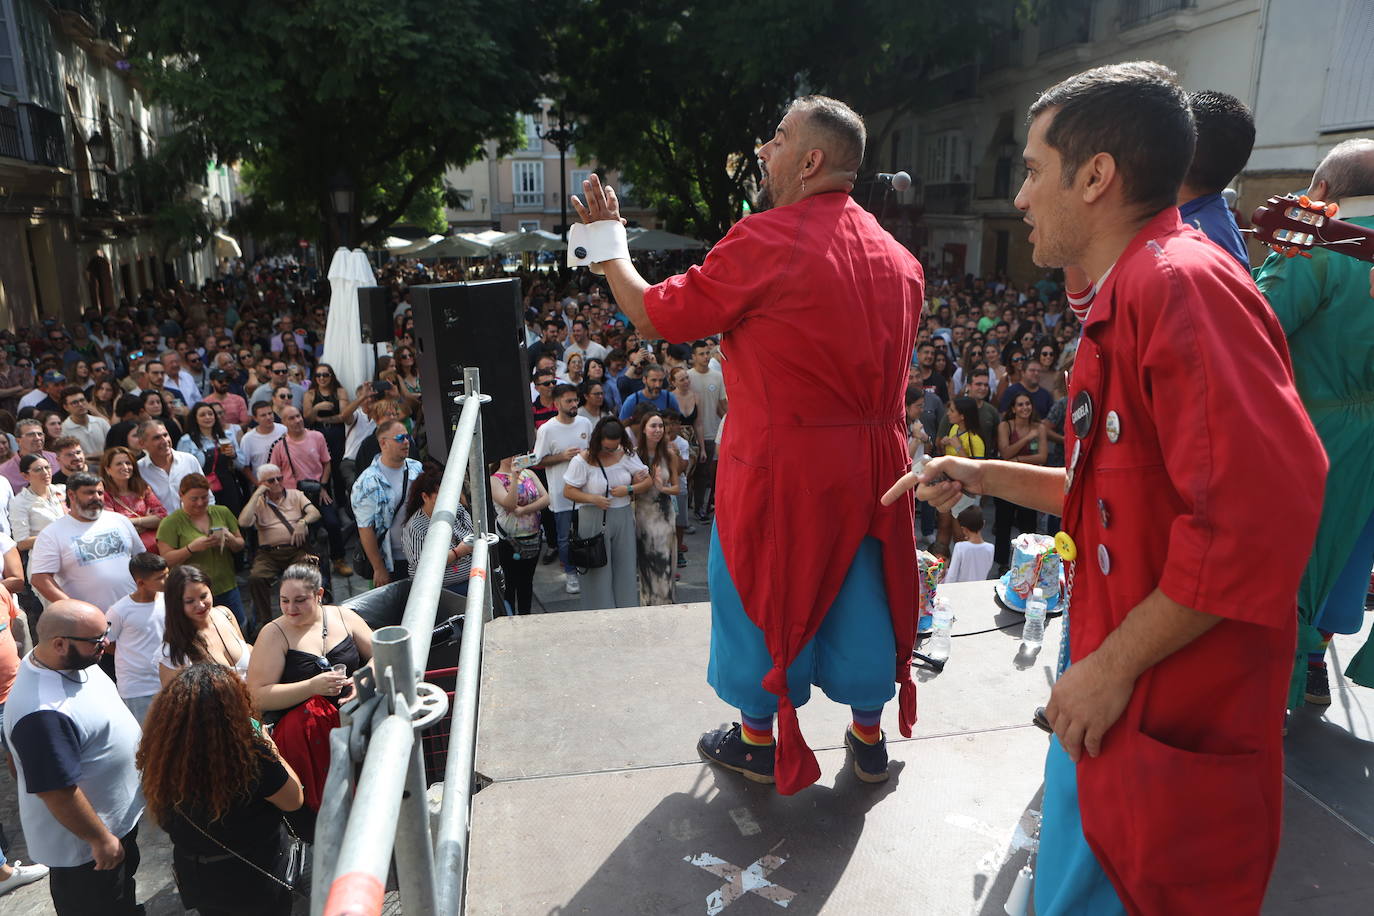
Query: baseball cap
(219, 375)
(53, 377)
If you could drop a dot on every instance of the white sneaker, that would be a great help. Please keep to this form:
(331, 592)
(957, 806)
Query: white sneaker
(22, 874)
(571, 585)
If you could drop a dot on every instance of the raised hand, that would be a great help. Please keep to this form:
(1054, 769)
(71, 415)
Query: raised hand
(602, 202)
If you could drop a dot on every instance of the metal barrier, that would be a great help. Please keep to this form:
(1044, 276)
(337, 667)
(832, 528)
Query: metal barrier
(375, 755)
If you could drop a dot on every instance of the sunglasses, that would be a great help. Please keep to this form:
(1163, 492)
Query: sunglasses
(324, 375)
(1018, 359)
(401, 437)
(543, 384)
(101, 640)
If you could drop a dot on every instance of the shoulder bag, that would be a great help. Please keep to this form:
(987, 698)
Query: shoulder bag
(523, 546)
(295, 865)
(589, 552)
(362, 566)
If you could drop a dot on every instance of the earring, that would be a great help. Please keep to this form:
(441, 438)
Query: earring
(803, 182)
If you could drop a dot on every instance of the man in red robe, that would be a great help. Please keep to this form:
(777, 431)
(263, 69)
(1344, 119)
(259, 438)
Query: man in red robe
(811, 580)
(1190, 501)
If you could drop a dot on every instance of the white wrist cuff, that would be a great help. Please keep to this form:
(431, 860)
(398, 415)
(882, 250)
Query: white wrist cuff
(591, 243)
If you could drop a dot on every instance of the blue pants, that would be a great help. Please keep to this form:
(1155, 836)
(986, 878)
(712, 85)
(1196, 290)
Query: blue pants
(234, 603)
(1068, 878)
(1343, 609)
(851, 658)
(563, 525)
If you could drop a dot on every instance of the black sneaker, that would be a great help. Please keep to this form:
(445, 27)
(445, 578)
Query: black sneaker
(1318, 689)
(725, 747)
(551, 556)
(870, 760)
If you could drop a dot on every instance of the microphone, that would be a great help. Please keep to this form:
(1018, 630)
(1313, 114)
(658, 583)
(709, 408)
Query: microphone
(899, 181)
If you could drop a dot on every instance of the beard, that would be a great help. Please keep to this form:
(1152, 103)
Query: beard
(88, 513)
(763, 200)
(75, 661)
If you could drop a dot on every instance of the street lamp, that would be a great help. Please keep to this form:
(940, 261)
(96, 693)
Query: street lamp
(98, 148)
(563, 137)
(341, 193)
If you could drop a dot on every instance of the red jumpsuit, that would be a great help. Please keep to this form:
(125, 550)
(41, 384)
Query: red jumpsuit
(819, 308)
(1197, 472)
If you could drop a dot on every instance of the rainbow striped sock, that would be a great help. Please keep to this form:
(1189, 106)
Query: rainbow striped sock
(1319, 657)
(756, 731)
(866, 726)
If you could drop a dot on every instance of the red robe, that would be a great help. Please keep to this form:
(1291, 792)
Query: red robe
(1211, 492)
(819, 308)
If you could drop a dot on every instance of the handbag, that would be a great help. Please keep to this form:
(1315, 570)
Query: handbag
(295, 865)
(362, 566)
(311, 488)
(589, 552)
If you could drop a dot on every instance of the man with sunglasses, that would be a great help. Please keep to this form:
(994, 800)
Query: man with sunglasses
(74, 742)
(282, 518)
(279, 377)
(377, 500)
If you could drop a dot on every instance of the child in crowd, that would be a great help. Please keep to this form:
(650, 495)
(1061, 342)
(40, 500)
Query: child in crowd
(136, 623)
(972, 557)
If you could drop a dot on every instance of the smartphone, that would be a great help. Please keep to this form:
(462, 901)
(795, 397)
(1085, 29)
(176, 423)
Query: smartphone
(218, 529)
(524, 461)
(646, 348)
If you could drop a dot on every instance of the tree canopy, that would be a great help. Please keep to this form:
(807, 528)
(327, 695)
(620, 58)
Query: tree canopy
(386, 93)
(677, 93)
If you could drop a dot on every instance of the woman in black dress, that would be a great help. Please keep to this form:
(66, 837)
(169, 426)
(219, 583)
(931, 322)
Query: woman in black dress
(216, 783)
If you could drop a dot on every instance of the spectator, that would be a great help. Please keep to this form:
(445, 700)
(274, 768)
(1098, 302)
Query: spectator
(197, 630)
(71, 459)
(327, 409)
(154, 406)
(162, 466)
(214, 448)
(155, 380)
(178, 379)
(653, 514)
(558, 442)
(38, 505)
(13, 875)
(282, 520)
(48, 394)
(519, 498)
(544, 407)
(124, 431)
(235, 408)
(257, 442)
(279, 378)
(419, 510)
(971, 559)
(652, 393)
(218, 785)
(593, 397)
(137, 622)
(127, 493)
(30, 438)
(85, 553)
(86, 427)
(206, 537)
(303, 456)
(603, 481)
(52, 427)
(378, 498)
(927, 377)
(1029, 385)
(1021, 438)
(79, 797)
(103, 395)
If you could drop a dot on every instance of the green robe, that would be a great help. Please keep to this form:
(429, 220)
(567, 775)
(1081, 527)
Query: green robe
(1325, 308)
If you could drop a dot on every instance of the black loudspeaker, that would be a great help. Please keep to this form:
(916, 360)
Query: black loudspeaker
(476, 325)
(374, 313)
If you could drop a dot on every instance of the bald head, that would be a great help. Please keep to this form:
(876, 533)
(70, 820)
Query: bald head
(70, 617)
(1347, 171)
(834, 128)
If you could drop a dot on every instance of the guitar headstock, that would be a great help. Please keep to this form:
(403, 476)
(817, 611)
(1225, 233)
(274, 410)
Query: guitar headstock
(1291, 225)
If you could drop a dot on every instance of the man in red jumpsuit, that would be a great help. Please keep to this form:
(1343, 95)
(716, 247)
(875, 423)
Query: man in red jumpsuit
(811, 580)
(1190, 501)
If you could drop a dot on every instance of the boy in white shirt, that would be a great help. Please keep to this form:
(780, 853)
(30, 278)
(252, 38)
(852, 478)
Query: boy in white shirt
(972, 557)
(137, 623)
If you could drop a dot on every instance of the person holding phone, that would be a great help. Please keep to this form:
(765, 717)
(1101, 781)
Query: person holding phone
(206, 537)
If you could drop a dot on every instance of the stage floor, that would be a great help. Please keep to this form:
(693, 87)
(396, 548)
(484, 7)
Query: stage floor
(600, 805)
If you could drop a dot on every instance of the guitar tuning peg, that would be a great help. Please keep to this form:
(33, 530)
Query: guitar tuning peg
(1304, 200)
(1290, 252)
(1306, 254)
(1332, 209)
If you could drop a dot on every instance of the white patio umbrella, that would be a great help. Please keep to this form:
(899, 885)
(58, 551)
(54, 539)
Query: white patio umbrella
(524, 242)
(348, 271)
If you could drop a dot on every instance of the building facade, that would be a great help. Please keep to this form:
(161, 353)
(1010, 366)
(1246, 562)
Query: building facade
(524, 190)
(1306, 70)
(75, 228)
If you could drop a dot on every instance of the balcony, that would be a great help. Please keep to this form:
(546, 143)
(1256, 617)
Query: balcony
(529, 200)
(33, 134)
(1137, 12)
(11, 140)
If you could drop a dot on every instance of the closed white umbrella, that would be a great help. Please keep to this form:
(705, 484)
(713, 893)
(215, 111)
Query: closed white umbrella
(348, 271)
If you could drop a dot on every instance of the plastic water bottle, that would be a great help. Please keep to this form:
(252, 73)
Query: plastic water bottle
(944, 621)
(1033, 634)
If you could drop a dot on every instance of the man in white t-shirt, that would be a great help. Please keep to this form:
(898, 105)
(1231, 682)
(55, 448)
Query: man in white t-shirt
(709, 386)
(85, 554)
(558, 442)
(137, 622)
(972, 557)
(582, 343)
(257, 443)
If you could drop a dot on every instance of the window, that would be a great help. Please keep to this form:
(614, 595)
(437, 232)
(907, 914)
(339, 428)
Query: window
(575, 179)
(946, 158)
(9, 79)
(528, 179)
(1348, 103)
(532, 142)
(39, 53)
(529, 225)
